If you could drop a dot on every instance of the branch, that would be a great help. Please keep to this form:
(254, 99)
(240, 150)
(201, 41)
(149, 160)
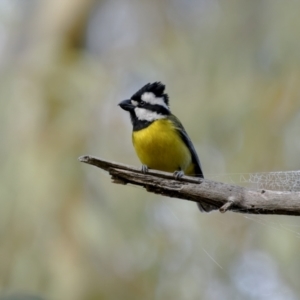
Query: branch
(223, 196)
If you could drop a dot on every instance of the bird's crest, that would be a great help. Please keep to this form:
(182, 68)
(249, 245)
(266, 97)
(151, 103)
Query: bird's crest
(156, 88)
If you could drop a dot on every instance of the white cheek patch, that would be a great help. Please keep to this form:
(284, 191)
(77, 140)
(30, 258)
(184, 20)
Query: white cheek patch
(133, 102)
(147, 115)
(152, 99)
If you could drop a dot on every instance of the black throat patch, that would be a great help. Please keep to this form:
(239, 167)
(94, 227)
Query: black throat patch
(139, 124)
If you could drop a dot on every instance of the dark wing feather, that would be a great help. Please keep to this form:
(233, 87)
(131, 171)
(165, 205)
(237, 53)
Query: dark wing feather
(179, 127)
(197, 166)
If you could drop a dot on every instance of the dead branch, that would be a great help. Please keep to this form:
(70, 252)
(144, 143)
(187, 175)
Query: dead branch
(223, 196)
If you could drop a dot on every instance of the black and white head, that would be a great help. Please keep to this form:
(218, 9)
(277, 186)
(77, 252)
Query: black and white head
(148, 104)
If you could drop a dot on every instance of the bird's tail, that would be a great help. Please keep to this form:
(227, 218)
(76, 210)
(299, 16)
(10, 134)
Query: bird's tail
(206, 207)
(203, 206)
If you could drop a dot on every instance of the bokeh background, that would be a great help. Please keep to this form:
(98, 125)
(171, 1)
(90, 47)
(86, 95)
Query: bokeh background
(232, 71)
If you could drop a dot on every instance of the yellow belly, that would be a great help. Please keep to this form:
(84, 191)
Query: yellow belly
(160, 147)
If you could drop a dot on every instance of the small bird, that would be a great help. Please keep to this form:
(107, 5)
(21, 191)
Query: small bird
(159, 138)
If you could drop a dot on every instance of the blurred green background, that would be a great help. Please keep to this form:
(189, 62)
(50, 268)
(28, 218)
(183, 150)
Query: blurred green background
(232, 71)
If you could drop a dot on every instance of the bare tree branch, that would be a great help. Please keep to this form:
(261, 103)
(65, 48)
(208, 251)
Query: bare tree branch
(223, 196)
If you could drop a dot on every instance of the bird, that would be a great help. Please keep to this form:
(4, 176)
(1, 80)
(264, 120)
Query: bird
(159, 138)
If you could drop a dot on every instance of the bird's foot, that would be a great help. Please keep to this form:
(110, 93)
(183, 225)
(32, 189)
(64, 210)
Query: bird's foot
(178, 174)
(144, 169)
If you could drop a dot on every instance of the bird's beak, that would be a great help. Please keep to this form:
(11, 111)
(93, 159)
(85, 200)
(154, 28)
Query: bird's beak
(126, 105)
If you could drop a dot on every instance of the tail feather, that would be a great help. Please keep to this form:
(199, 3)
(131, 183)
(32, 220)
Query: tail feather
(206, 207)
(203, 206)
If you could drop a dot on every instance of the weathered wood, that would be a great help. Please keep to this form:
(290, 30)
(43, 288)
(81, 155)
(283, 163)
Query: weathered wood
(223, 196)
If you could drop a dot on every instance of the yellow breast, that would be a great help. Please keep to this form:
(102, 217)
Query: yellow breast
(160, 147)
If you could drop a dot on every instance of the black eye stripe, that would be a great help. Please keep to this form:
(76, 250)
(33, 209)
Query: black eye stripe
(156, 108)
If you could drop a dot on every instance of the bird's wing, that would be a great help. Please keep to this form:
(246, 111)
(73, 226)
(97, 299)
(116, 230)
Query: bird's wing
(195, 159)
(198, 170)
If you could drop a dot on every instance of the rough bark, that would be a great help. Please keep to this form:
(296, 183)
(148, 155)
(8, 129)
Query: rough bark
(223, 196)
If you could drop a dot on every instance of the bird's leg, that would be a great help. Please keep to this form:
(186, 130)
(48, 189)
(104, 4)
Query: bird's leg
(178, 174)
(144, 169)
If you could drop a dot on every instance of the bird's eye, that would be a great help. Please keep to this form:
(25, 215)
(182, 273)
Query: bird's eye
(142, 103)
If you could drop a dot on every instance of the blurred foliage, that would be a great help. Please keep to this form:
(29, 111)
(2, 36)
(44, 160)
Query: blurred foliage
(232, 74)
